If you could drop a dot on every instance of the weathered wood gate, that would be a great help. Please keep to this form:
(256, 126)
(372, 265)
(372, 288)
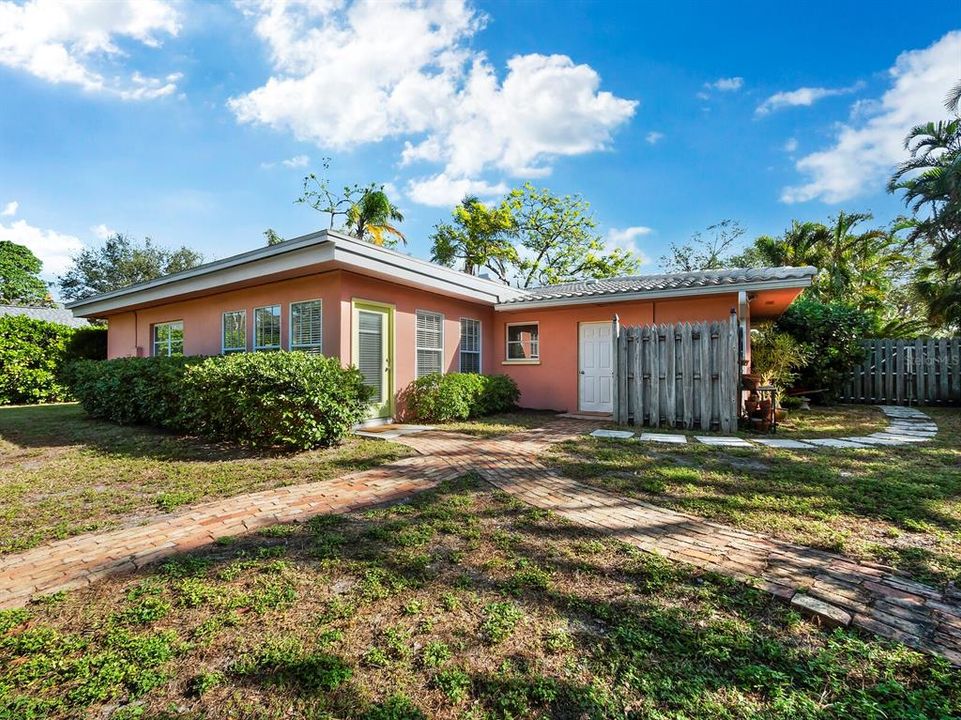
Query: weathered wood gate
(684, 375)
(902, 372)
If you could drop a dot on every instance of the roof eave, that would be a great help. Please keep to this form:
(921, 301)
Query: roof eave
(618, 297)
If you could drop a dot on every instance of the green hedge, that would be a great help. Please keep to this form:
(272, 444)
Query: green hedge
(291, 400)
(31, 355)
(459, 396)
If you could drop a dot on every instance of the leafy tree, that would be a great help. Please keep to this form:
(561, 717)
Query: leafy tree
(272, 237)
(532, 237)
(832, 331)
(20, 282)
(120, 262)
(931, 182)
(479, 236)
(707, 253)
(365, 211)
(371, 216)
(558, 240)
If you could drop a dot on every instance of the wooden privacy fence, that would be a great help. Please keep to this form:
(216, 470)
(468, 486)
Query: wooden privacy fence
(927, 370)
(684, 375)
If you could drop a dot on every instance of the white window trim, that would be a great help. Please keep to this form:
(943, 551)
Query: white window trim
(223, 315)
(480, 346)
(153, 335)
(280, 318)
(290, 324)
(521, 361)
(418, 347)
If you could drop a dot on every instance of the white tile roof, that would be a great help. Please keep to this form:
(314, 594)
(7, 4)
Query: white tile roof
(56, 315)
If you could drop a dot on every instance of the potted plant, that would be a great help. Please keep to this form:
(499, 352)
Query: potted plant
(775, 359)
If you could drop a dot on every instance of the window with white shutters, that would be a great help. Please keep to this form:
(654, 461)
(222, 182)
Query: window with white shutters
(267, 328)
(234, 332)
(168, 338)
(307, 326)
(430, 343)
(470, 345)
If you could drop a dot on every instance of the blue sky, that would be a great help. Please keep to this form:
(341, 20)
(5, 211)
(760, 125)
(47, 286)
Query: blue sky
(194, 123)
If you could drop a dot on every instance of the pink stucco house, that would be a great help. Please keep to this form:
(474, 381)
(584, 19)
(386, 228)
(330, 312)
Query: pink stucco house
(396, 317)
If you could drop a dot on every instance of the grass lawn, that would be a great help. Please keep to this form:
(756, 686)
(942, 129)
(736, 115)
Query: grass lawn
(462, 604)
(897, 505)
(832, 421)
(62, 473)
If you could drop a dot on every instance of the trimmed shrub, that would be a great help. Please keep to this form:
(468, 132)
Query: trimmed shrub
(132, 391)
(289, 399)
(88, 343)
(31, 355)
(459, 396)
(832, 333)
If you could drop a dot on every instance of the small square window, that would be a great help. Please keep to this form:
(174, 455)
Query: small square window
(168, 339)
(523, 342)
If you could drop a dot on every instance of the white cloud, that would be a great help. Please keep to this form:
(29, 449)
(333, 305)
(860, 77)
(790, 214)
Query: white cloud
(10, 209)
(71, 41)
(791, 145)
(626, 239)
(53, 248)
(297, 161)
(729, 84)
(802, 97)
(102, 231)
(654, 137)
(369, 71)
(443, 191)
(870, 144)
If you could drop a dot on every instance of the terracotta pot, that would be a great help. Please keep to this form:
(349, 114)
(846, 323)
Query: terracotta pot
(761, 425)
(751, 407)
(780, 414)
(764, 407)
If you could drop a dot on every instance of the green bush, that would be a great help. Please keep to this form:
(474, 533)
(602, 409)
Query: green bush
(459, 396)
(32, 353)
(832, 332)
(289, 399)
(132, 391)
(88, 343)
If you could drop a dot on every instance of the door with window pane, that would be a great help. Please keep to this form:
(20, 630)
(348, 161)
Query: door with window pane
(372, 354)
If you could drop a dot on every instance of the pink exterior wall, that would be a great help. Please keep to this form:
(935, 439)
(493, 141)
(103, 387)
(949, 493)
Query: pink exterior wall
(552, 383)
(202, 316)
(406, 302)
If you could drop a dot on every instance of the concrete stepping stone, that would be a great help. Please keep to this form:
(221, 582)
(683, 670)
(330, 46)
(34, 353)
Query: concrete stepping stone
(724, 441)
(870, 440)
(390, 432)
(663, 438)
(835, 443)
(902, 437)
(612, 434)
(784, 443)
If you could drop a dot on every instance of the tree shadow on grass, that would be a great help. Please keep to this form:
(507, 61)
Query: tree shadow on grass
(604, 631)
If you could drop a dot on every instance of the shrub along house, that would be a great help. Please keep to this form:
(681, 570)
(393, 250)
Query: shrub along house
(397, 318)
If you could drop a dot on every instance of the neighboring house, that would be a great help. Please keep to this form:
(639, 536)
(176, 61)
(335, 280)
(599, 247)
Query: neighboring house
(60, 315)
(397, 318)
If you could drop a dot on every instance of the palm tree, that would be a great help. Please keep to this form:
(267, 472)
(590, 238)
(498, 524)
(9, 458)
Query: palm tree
(371, 217)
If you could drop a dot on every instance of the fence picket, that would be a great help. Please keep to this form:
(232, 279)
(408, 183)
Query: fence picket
(670, 376)
(687, 374)
(924, 370)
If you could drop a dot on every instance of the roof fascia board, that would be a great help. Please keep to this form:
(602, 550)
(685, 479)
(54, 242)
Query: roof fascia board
(231, 274)
(603, 299)
(367, 256)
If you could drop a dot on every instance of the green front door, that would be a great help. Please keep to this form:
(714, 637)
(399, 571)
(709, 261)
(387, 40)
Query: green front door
(373, 333)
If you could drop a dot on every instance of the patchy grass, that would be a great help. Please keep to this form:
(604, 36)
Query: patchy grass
(593, 629)
(62, 473)
(897, 505)
(500, 424)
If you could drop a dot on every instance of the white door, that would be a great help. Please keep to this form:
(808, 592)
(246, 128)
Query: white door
(596, 379)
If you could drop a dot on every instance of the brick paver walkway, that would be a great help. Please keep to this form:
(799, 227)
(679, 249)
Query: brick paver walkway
(836, 589)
